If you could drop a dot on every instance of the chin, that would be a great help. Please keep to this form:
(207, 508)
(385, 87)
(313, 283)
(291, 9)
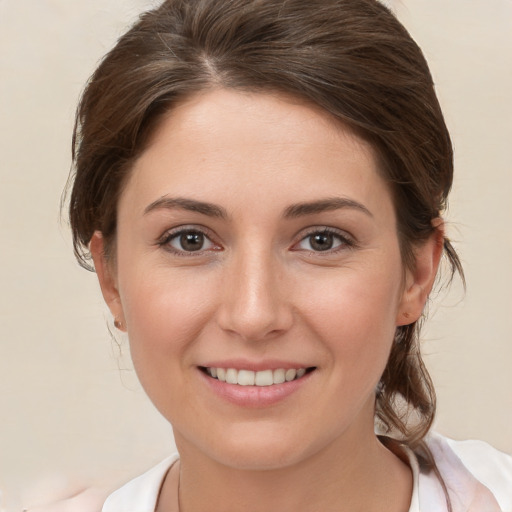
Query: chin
(260, 447)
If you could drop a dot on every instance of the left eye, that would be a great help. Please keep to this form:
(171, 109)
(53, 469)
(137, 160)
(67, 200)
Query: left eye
(322, 241)
(189, 241)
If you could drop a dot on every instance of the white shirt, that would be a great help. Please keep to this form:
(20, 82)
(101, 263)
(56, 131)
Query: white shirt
(478, 478)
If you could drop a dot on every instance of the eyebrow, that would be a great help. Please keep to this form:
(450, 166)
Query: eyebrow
(293, 211)
(324, 205)
(191, 205)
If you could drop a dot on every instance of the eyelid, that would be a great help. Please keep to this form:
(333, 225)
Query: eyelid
(169, 234)
(348, 241)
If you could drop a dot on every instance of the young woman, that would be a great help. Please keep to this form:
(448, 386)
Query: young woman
(260, 185)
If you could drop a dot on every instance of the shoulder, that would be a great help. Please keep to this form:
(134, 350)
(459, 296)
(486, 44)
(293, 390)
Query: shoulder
(473, 471)
(141, 493)
(88, 500)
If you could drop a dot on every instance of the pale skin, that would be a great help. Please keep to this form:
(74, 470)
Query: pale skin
(296, 259)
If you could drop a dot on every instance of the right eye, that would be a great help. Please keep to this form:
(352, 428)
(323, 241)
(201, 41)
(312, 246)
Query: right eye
(188, 241)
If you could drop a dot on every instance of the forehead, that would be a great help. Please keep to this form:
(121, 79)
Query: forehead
(271, 116)
(245, 143)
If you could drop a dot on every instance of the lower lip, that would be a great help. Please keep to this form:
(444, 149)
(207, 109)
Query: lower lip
(255, 396)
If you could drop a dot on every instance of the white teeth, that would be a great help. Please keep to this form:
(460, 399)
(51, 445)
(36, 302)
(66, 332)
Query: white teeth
(279, 376)
(231, 376)
(250, 378)
(290, 375)
(246, 378)
(264, 378)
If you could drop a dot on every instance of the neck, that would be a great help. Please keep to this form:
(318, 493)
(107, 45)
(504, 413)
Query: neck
(346, 476)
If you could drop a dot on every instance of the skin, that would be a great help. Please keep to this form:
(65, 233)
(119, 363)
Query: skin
(259, 290)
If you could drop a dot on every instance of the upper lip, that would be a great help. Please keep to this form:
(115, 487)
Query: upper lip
(256, 366)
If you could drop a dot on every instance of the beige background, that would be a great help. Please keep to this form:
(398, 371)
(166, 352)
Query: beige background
(70, 405)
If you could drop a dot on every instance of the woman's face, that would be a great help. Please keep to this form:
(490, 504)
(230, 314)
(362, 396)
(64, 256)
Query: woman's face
(256, 238)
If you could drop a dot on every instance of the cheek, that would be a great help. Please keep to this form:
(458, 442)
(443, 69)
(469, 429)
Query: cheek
(164, 312)
(355, 312)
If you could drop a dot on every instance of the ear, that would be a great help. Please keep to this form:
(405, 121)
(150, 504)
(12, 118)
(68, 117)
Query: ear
(105, 270)
(420, 280)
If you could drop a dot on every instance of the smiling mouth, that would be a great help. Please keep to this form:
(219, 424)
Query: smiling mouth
(259, 378)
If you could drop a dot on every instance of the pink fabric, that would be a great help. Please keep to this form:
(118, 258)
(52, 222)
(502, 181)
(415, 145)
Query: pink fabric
(466, 492)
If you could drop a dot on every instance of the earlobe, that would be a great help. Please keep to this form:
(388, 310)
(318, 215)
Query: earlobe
(420, 280)
(106, 276)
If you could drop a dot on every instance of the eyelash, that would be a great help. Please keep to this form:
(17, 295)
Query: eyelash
(346, 242)
(166, 239)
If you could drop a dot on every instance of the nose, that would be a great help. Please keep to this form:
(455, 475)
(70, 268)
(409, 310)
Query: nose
(254, 298)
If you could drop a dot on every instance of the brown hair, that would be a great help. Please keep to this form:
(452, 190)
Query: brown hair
(350, 57)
